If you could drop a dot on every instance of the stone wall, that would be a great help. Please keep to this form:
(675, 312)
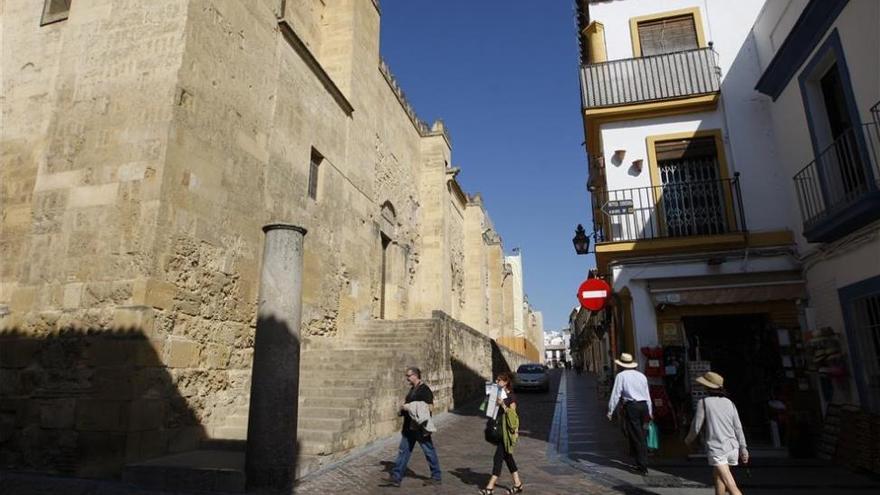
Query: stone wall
(144, 146)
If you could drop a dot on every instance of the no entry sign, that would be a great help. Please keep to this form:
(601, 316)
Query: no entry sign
(593, 293)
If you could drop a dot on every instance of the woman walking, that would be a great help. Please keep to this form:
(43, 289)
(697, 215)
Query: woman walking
(508, 419)
(722, 433)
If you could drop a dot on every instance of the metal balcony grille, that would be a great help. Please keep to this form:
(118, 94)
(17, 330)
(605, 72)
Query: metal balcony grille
(644, 79)
(841, 175)
(679, 209)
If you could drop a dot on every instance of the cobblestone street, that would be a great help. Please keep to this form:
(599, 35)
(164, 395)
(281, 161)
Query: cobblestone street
(466, 459)
(567, 449)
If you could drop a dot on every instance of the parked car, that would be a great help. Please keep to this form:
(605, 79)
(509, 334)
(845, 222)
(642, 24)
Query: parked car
(532, 376)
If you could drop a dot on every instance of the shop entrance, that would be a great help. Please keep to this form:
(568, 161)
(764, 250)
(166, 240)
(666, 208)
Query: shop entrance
(744, 349)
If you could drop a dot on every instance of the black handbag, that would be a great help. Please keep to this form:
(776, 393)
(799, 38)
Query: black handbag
(493, 432)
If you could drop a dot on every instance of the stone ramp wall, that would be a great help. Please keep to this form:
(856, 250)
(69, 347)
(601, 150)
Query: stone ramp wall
(472, 357)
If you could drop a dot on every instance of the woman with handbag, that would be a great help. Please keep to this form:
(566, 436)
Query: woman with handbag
(507, 422)
(722, 432)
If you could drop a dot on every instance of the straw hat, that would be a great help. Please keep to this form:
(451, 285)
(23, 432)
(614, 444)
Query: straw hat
(711, 380)
(626, 361)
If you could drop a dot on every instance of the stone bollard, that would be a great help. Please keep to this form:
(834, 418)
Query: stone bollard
(271, 439)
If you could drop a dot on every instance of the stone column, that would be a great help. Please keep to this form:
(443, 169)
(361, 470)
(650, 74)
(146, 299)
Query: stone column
(271, 441)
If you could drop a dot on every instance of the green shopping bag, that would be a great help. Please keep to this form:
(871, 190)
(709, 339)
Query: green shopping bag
(653, 437)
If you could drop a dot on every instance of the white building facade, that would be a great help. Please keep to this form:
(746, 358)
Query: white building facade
(818, 65)
(691, 209)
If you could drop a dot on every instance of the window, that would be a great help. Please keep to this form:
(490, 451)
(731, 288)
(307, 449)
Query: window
(54, 11)
(314, 170)
(692, 192)
(668, 35)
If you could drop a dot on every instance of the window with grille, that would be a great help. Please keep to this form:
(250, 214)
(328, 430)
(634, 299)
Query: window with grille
(668, 35)
(314, 173)
(54, 11)
(692, 191)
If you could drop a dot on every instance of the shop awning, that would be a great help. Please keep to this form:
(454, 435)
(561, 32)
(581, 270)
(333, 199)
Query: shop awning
(729, 290)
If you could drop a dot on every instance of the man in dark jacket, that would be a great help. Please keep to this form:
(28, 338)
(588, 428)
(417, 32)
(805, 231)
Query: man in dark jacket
(413, 432)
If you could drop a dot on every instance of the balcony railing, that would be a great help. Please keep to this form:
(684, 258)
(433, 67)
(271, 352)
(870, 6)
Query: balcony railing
(841, 177)
(680, 209)
(875, 113)
(656, 77)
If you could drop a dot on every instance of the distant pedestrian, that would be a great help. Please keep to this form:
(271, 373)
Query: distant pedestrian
(722, 433)
(631, 387)
(417, 400)
(508, 418)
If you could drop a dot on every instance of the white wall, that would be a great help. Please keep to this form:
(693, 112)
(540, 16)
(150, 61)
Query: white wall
(851, 260)
(857, 26)
(749, 150)
(515, 262)
(725, 22)
(741, 115)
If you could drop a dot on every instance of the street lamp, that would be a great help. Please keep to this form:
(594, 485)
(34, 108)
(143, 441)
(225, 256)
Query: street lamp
(581, 241)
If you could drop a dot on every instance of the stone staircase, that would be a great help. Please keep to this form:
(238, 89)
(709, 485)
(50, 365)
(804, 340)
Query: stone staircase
(349, 395)
(350, 389)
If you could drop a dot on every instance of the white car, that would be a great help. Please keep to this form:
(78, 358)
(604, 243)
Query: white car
(532, 376)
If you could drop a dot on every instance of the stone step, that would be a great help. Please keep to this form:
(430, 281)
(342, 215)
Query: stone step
(354, 340)
(342, 372)
(335, 425)
(358, 393)
(397, 323)
(305, 435)
(231, 432)
(346, 356)
(236, 420)
(317, 381)
(223, 444)
(195, 471)
(330, 401)
(328, 412)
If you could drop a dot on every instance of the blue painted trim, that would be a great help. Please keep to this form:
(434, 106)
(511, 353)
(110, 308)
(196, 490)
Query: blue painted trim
(847, 295)
(833, 44)
(807, 32)
(853, 216)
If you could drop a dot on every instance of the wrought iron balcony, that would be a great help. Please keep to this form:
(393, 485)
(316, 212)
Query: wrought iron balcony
(651, 78)
(839, 191)
(678, 209)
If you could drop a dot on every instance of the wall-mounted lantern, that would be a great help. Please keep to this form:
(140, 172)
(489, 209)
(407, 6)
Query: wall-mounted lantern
(581, 241)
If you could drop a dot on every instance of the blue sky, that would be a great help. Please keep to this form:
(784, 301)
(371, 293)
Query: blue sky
(503, 76)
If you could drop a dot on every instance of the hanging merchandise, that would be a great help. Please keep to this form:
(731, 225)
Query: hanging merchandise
(663, 411)
(654, 363)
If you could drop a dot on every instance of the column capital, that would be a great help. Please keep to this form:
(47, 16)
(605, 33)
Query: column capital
(284, 226)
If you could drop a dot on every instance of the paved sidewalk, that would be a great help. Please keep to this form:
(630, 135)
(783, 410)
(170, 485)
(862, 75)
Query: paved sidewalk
(596, 446)
(466, 460)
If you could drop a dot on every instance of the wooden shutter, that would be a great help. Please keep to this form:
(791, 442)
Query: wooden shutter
(682, 149)
(668, 35)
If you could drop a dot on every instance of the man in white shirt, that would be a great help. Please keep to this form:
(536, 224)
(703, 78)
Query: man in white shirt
(631, 387)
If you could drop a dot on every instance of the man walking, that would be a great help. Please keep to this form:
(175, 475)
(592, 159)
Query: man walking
(413, 431)
(631, 386)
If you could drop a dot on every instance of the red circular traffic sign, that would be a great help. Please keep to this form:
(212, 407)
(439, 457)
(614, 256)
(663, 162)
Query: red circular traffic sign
(593, 294)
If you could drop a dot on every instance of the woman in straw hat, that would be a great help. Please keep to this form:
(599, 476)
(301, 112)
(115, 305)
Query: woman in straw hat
(722, 432)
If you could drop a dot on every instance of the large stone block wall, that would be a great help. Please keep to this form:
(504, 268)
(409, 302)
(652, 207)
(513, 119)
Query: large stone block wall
(144, 145)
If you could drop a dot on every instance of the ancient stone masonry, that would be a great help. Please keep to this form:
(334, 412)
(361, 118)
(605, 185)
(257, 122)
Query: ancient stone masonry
(144, 145)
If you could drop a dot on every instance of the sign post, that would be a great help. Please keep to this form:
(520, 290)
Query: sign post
(593, 294)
